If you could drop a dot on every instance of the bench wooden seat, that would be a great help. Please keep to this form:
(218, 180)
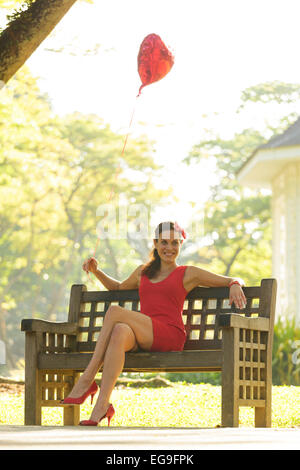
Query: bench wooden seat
(236, 343)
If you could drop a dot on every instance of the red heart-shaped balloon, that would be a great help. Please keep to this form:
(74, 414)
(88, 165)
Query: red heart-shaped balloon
(155, 60)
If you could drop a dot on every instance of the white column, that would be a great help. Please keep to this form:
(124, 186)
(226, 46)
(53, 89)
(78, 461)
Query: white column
(286, 239)
(291, 239)
(297, 257)
(279, 268)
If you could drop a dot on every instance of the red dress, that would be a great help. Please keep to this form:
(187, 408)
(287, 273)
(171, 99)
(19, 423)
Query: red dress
(163, 302)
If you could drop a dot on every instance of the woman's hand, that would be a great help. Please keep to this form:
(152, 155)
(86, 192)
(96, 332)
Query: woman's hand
(90, 265)
(237, 296)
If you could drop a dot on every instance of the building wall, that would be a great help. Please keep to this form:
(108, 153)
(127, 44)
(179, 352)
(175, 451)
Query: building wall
(286, 239)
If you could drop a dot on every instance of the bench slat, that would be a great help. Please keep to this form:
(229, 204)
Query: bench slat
(189, 361)
(196, 293)
(202, 310)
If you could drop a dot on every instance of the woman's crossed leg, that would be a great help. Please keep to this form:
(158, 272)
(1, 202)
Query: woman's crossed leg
(123, 330)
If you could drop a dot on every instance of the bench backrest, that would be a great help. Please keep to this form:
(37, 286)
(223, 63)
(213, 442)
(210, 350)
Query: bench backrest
(201, 311)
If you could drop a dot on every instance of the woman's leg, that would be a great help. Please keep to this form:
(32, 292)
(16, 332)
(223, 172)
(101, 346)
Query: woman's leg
(141, 326)
(122, 340)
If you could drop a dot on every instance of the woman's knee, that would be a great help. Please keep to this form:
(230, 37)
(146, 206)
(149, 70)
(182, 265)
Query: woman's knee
(113, 313)
(122, 334)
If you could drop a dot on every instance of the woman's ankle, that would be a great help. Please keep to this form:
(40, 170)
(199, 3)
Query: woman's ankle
(99, 410)
(86, 379)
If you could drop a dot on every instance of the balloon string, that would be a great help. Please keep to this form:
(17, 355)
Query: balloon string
(112, 192)
(130, 123)
(140, 90)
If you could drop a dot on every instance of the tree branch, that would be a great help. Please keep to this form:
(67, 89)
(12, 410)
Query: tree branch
(26, 31)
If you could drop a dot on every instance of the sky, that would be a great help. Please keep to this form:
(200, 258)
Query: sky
(220, 48)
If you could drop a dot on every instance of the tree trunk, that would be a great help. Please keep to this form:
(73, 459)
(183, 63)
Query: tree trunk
(26, 32)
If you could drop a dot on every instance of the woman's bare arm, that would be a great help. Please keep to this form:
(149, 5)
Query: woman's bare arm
(132, 282)
(201, 277)
(109, 282)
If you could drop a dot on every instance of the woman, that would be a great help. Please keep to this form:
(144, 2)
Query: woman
(163, 286)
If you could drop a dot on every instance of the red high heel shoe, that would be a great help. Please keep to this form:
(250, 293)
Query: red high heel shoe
(109, 414)
(78, 401)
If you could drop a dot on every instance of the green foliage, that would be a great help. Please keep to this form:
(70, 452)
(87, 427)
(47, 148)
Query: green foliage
(213, 378)
(286, 341)
(54, 173)
(8, 3)
(236, 223)
(271, 92)
(237, 220)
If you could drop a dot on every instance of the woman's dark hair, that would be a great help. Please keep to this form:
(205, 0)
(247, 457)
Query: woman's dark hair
(153, 265)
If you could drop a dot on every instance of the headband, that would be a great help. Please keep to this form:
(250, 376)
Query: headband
(179, 229)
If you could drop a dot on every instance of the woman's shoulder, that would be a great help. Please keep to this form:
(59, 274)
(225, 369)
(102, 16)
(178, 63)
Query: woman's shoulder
(190, 277)
(189, 267)
(139, 270)
(190, 271)
(180, 268)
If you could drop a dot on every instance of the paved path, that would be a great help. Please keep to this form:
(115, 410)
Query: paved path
(113, 438)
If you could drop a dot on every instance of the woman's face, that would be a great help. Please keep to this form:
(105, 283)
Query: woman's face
(168, 246)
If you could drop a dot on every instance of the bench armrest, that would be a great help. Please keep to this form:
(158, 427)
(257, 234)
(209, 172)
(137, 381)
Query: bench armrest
(43, 326)
(231, 320)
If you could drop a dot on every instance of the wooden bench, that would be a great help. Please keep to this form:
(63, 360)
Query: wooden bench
(239, 345)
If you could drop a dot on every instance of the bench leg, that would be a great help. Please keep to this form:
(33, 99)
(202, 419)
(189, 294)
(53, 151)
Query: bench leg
(230, 410)
(71, 413)
(262, 418)
(263, 415)
(32, 405)
(32, 408)
(230, 371)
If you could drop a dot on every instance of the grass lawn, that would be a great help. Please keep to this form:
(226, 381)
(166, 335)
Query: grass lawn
(183, 405)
